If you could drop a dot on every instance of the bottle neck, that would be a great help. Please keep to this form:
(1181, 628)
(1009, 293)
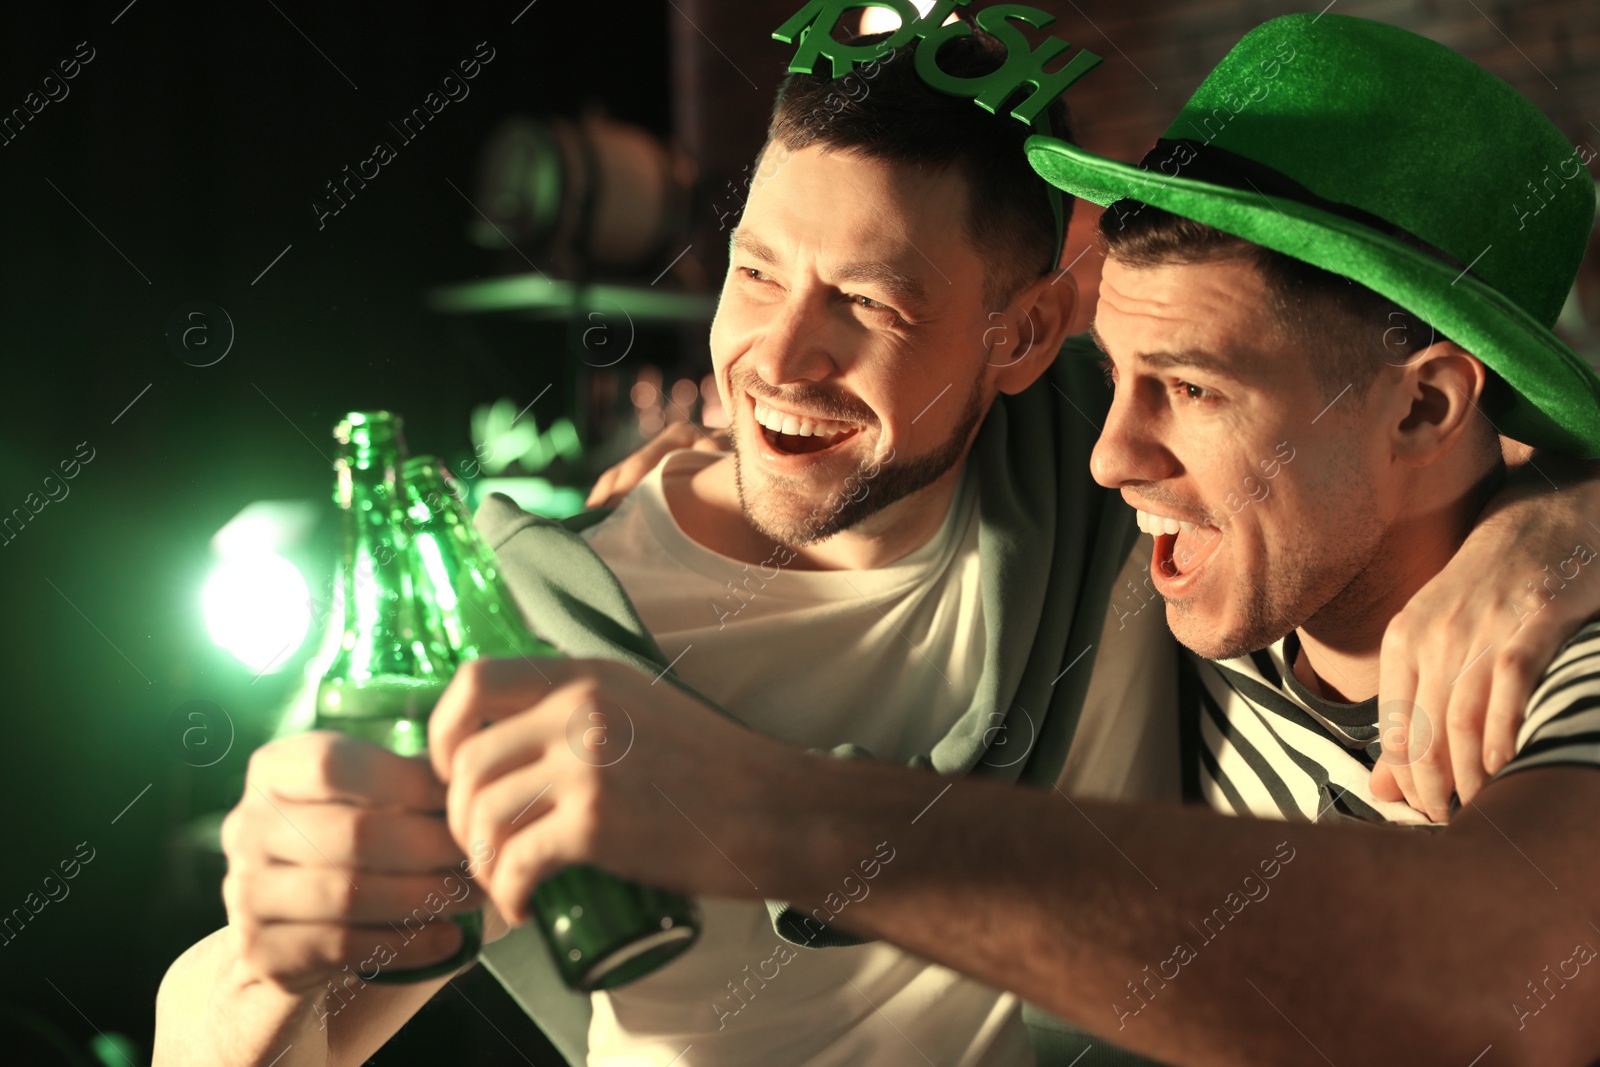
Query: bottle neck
(381, 636)
(457, 570)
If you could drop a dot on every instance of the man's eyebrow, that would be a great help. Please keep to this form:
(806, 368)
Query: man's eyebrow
(898, 284)
(1194, 358)
(1197, 358)
(752, 247)
(1094, 335)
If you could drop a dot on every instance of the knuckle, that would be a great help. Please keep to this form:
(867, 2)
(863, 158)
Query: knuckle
(249, 943)
(230, 894)
(464, 763)
(1514, 663)
(325, 755)
(1465, 714)
(256, 767)
(1396, 646)
(230, 833)
(1427, 751)
(473, 826)
(581, 690)
(473, 678)
(513, 868)
(1403, 627)
(337, 892)
(356, 834)
(237, 893)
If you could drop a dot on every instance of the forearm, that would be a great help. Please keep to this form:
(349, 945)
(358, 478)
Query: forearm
(206, 1014)
(1138, 923)
(210, 1012)
(1532, 472)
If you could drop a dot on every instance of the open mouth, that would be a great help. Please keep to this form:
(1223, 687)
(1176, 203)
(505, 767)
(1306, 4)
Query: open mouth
(801, 435)
(1180, 547)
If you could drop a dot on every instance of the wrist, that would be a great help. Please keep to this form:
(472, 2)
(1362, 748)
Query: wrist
(211, 1010)
(833, 819)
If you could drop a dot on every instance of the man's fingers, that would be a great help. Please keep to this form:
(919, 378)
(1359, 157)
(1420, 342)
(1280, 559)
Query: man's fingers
(331, 894)
(1428, 750)
(1394, 732)
(379, 840)
(506, 806)
(324, 766)
(484, 691)
(1507, 707)
(621, 478)
(1516, 674)
(525, 861)
(1461, 728)
(1397, 694)
(601, 490)
(1464, 733)
(1382, 783)
(482, 759)
(1433, 779)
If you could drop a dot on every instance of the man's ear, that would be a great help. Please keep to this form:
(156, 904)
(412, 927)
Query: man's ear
(1441, 387)
(1022, 341)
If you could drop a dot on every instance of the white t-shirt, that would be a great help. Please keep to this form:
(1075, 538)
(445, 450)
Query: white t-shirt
(815, 658)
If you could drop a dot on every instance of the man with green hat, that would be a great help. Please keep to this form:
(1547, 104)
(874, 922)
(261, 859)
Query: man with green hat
(1327, 293)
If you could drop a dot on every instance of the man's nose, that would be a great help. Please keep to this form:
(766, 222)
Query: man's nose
(798, 344)
(1130, 449)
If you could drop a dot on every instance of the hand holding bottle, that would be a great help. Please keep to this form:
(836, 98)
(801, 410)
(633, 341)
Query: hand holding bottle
(336, 854)
(422, 595)
(525, 785)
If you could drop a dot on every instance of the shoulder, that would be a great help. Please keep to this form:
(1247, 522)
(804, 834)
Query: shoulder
(1070, 398)
(1579, 657)
(499, 518)
(1562, 724)
(1574, 671)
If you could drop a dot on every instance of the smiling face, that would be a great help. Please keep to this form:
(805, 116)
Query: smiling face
(1268, 498)
(850, 345)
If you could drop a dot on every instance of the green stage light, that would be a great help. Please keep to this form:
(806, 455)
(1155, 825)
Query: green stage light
(256, 602)
(257, 607)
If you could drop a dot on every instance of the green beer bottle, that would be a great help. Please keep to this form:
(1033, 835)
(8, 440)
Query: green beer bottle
(603, 931)
(391, 665)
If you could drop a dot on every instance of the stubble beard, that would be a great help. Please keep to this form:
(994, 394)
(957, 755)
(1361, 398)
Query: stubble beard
(1323, 569)
(785, 512)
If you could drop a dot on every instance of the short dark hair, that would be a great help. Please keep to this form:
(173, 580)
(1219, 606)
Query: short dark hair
(1353, 330)
(887, 113)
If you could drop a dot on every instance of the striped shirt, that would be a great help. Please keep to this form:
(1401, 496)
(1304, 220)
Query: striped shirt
(1262, 744)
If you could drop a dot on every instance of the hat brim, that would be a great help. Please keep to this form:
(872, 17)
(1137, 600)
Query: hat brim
(1554, 399)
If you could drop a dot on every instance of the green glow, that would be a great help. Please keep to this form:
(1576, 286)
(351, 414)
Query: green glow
(114, 1050)
(533, 494)
(536, 293)
(257, 607)
(500, 438)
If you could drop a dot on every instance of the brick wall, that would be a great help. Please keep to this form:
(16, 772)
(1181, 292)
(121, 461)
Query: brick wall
(1157, 54)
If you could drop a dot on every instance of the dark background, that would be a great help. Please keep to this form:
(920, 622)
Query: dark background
(194, 143)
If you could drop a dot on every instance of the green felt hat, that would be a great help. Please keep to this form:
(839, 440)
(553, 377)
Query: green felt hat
(1319, 135)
